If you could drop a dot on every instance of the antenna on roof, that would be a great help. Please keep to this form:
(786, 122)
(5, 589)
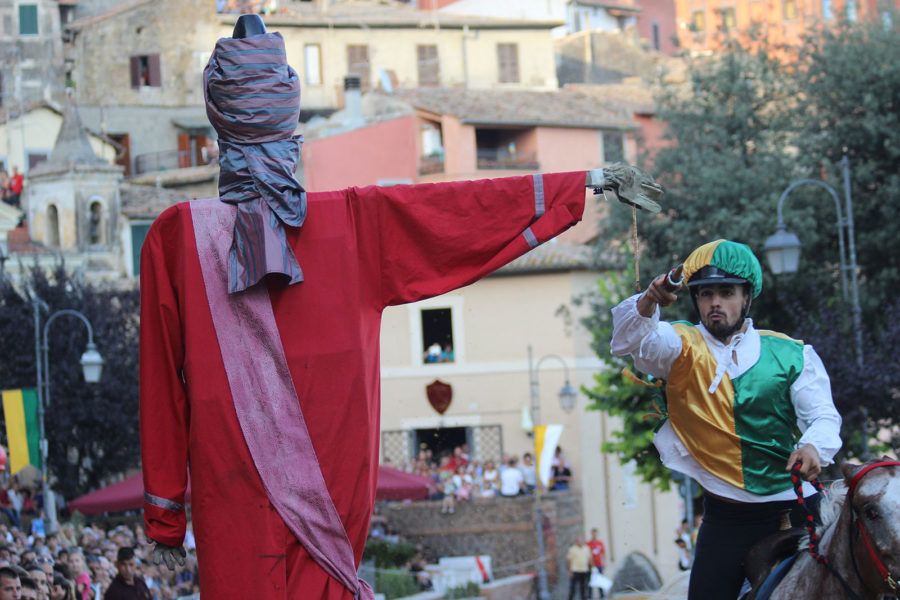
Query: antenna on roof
(248, 25)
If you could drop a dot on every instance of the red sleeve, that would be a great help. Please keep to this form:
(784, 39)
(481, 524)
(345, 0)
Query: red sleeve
(433, 238)
(163, 402)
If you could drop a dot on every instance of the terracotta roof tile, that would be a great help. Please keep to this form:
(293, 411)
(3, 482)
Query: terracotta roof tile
(557, 256)
(563, 108)
(20, 242)
(147, 201)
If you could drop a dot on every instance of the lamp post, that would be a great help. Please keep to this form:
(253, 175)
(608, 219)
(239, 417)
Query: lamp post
(783, 248)
(567, 398)
(92, 365)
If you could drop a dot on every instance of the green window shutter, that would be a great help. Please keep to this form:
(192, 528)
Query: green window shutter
(138, 235)
(28, 19)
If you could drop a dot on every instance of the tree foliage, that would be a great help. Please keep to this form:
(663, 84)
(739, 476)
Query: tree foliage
(752, 121)
(92, 429)
(633, 404)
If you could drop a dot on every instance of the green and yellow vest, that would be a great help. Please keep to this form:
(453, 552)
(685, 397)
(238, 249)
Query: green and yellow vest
(745, 431)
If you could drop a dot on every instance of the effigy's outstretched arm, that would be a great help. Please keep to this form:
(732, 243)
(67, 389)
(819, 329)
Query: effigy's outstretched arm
(631, 185)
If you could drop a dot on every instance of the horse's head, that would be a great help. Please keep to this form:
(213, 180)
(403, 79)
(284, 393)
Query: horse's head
(873, 491)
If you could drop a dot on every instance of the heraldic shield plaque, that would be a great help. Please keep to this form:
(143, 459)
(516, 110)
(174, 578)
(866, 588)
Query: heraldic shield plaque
(439, 395)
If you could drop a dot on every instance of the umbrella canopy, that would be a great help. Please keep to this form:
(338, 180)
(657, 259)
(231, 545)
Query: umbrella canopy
(128, 494)
(394, 484)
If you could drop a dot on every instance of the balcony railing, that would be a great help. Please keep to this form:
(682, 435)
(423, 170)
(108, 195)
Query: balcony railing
(500, 158)
(431, 164)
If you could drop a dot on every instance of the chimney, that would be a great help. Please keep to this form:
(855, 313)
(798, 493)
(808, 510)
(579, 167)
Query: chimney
(353, 99)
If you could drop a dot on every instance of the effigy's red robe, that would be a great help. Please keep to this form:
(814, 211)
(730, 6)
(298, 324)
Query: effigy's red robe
(361, 250)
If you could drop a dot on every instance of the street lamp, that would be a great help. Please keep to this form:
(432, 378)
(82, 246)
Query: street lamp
(567, 398)
(92, 366)
(783, 248)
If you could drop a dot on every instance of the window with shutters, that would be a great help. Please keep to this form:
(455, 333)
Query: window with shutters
(698, 22)
(28, 19)
(728, 19)
(790, 10)
(429, 67)
(358, 63)
(145, 71)
(312, 61)
(613, 146)
(508, 63)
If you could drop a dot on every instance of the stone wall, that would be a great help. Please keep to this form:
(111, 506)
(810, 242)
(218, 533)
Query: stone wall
(503, 528)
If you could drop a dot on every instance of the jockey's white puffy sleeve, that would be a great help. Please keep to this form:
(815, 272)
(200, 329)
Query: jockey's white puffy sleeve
(653, 343)
(817, 417)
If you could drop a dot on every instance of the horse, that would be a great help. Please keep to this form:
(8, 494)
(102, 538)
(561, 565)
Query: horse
(855, 554)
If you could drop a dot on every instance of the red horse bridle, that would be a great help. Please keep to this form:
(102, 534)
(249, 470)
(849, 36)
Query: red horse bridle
(882, 570)
(814, 538)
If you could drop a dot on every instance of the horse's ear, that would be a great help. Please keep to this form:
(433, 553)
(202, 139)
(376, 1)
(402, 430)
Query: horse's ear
(849, 470)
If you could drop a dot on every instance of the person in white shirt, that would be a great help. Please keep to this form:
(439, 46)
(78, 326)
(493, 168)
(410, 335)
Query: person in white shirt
(511, 479)
(529, 472)
(735, 399)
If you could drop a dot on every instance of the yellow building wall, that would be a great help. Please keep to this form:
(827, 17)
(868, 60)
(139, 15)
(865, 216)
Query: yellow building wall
(500, 316)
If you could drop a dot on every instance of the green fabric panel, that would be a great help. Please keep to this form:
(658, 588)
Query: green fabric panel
(738, 259)
(764, 414)
(32, 426)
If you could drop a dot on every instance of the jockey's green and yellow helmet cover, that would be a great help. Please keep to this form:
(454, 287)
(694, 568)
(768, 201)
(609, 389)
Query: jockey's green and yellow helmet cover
(727, 258)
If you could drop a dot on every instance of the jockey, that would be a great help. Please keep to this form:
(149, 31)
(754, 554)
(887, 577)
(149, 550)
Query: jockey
(744, 405)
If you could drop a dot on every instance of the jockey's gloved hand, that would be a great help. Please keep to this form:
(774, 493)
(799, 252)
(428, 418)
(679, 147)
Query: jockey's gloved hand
(168, 554)
(631, 185)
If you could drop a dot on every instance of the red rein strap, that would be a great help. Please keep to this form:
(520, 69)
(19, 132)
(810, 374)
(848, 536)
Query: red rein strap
(810, 520)
(882, 570)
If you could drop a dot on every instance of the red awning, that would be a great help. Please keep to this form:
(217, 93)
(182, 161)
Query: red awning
(128, 494)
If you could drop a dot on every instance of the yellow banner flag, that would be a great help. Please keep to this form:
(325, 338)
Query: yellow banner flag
(20, 409)
(546, 439)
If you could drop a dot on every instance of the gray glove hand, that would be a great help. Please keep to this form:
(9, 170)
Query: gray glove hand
(632, 186)
(168, 554)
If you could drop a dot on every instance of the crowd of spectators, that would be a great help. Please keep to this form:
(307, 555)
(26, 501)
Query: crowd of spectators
(459, 479)
(80, 561)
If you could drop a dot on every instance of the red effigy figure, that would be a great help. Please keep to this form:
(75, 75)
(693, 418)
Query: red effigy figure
(267, 388)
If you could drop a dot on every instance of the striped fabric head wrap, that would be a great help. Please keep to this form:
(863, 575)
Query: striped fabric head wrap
(253, 101)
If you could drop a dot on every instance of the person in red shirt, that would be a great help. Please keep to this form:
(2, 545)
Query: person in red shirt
(598, 553)
(16, 183)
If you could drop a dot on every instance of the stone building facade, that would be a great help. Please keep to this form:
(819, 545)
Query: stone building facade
(502, 528)
(72, 198)
(138, 66)
(31, 53)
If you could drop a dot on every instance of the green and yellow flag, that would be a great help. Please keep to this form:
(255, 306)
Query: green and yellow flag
(20, 408)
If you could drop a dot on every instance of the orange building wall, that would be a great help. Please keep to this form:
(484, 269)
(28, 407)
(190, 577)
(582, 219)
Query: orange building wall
(566, 149)
(363, 156)
(768, 15)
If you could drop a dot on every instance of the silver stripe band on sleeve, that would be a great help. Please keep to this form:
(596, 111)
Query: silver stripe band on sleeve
(530, 238)
(539, 207)
(163, 503)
